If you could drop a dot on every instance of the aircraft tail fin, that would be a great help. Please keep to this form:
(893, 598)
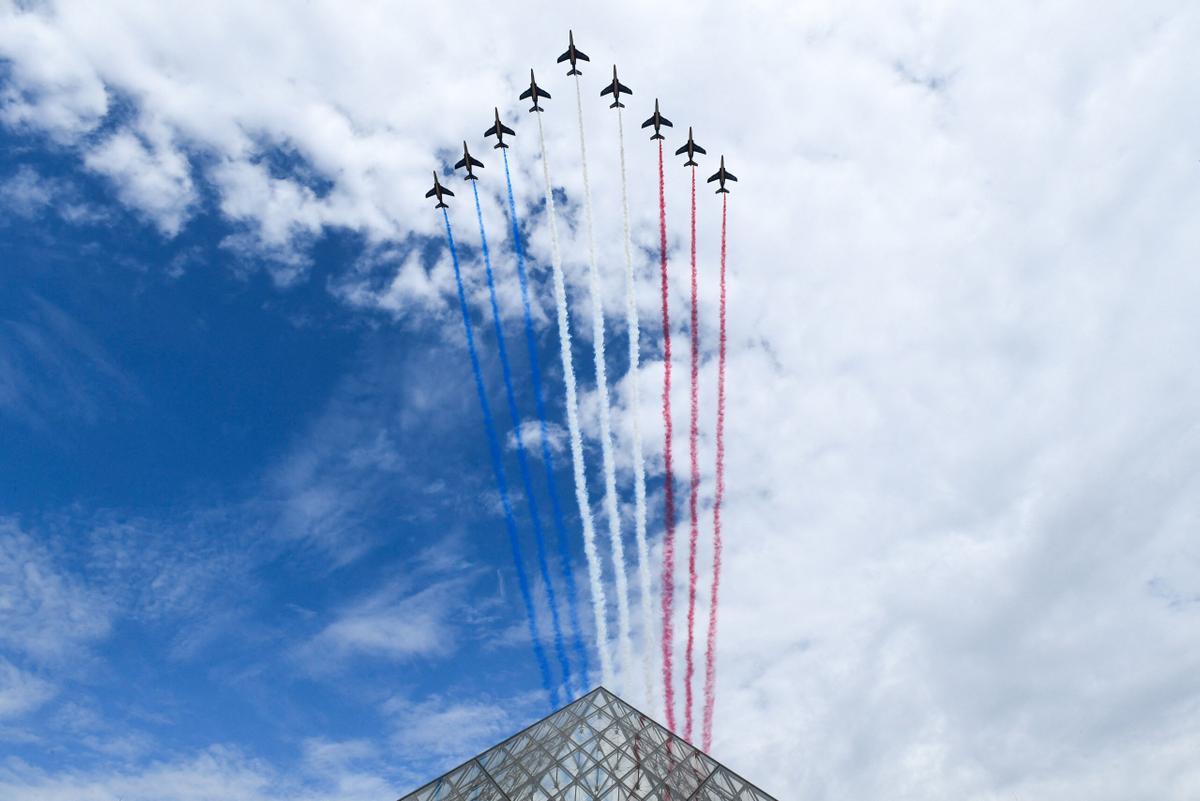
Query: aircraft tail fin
(574, 71)
(657, 136)
(690, 163)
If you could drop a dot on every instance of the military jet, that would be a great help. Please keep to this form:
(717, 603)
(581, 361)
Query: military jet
(691, 148)
(440, 192)
(499, 130)
(534, 92)
(658, 121)
(468, 161)
(573, 55)
(616, 88)
(722, 175)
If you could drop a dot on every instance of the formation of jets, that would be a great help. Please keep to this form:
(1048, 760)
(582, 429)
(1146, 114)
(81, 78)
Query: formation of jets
(615, 88)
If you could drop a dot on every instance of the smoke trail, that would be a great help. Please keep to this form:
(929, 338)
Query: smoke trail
(668, 575)
(510, 522)
(710, 657)
(639, 469)
(547, 458)
(610, 470)
(522, 457)
(693, 433)
(599, 602)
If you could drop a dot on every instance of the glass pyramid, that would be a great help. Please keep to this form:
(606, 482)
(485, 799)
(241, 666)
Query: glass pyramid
(597, 748)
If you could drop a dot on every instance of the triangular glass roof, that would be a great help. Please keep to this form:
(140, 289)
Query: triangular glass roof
(597, 748)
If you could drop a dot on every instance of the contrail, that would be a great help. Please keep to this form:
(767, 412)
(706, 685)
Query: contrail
(510, 522)
(547, 458)
(599, 602)
(610, 471)
(668, 575)
(522, 458)
(694, 534)
(639, 469)
(710, 657)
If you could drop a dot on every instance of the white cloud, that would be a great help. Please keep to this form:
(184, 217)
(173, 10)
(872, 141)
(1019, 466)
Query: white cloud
(21, 691)
(54, 85)
(151, 176)
(26, 193)
(531, 436)
(447, 729)
(217, 772)
(391, 624)
(45, 615)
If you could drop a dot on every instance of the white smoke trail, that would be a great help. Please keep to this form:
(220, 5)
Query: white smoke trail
(639, 470)
(610, 470)
(599, 602)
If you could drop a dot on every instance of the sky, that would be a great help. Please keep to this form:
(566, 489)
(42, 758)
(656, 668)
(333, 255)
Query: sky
(251, 545)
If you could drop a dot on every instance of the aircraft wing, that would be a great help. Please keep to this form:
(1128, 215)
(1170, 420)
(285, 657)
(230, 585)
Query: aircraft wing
(446, 191)
(490, 131)
(648, 123)
(714, 176)
(581, 56)
(623, 88)
(663, 121)
(730, 176)
(528, 93)
(476, 162)
(608, 90)
(698, 149)
(458, 165)
(507, 130)
(431, 192)
(563, 57)
(681, 150)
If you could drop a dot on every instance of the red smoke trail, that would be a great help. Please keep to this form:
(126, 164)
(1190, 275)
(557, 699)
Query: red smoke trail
(668, 577)
(693, 433)
(710, 657)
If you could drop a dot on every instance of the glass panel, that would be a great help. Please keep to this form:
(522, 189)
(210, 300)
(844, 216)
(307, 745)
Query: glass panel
(598, 748)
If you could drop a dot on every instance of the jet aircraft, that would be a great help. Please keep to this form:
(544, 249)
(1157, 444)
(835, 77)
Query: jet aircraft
(468, 161)
(691, 148)
(658, 121)
(722, 175)
(499, 130)
(440, 192)
(616, 89)
(573, 55)
(534, 92)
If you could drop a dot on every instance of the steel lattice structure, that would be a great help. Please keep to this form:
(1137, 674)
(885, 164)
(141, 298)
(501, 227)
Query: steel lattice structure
(598, 748)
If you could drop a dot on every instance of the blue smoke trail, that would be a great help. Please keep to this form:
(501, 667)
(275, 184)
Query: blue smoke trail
(502, 485)
(522, 457)
(560, 527)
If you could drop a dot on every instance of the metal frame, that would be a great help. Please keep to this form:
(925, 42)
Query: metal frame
(597, 748)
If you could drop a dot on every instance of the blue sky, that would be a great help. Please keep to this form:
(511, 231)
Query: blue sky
(250, 542)
(224, 469)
